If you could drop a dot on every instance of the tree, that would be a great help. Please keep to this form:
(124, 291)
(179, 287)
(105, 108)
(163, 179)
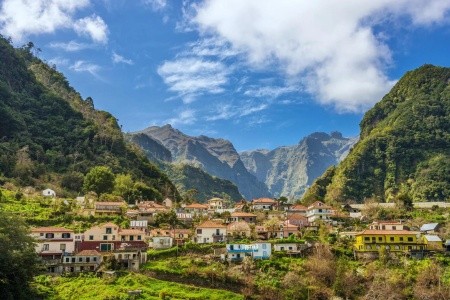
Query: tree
(167, 218)
(18, 259)
(124, 187)
(73, 181)
(100, 179)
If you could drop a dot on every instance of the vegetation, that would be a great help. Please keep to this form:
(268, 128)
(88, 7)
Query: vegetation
(49, 134)
(89, 286)
(18, 260)
(404, 147)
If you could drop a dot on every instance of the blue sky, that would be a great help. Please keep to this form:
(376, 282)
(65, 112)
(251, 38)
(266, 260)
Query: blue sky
(261, 73)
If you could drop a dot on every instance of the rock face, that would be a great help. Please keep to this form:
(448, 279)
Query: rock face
(215, 156)
(152, 148)
(289, 170)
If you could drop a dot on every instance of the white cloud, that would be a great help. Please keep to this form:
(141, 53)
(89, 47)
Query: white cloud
(271, 92)
(328, 45)
(71, 46)
(84, 66)
(58, 61)
(157, 5)
(22, 18)
(94, 27)
(190, 77)
(226, 111)
(185, 117)
(117, 59)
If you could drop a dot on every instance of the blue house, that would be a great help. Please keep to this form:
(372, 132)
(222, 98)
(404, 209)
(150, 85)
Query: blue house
(236, 252)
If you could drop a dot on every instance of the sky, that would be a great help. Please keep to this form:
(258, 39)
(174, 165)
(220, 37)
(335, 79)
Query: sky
(260, 73)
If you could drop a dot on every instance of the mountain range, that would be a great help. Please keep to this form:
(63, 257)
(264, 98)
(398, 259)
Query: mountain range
(285, 171)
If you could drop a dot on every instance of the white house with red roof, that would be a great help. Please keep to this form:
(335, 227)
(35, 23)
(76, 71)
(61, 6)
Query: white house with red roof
(319, 211)
(210, 232)
(263, 204)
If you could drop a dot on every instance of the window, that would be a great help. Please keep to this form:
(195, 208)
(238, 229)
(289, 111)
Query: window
(94, 258)
(49, 235)
(105, 247)
(401, 239)
(108, 230)
(91, 237)
(80, 259)
(217, 231)
(73, 259)
(66, 235)
(113, 237)
(131, 237)
(410, 239)
(264, 246)
(391, 238)
(367, 239)
(62, 247)
(88, 259)
(373, 239)
(199, 231)
(380, 239)
(105, 237)
(394, 228)
(320, 210)
(67, 259)
(45, 247)
(139, 237)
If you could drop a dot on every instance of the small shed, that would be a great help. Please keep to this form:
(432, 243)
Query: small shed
(433, 242)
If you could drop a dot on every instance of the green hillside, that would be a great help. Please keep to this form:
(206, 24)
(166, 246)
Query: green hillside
(187, 177)
(50, 135)
(404, 147)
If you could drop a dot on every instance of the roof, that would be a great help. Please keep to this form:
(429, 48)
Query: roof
(242, 214)
(391, 232)
(432, 238)
(130, 232)
(88, 253)
(51, 229)
(318, 204)
(197, 205)
(264, 200)
(215, 199)
(298, 207)
(211, 224)
(297, 217)
(388, 222)
(116, 203)
(429, 226)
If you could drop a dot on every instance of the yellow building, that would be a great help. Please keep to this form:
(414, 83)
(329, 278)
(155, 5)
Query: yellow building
(392, 240)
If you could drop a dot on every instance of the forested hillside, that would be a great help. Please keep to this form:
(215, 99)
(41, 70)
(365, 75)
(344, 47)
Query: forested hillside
(49, 134)
(404, 147)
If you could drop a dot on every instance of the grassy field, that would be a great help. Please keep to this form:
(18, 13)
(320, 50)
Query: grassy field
(92, 287)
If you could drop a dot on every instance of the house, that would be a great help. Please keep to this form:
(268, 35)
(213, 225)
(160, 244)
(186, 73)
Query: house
(215, 204)
(162, 242)
(147, 210)
(237, 252)
(52, 243)
(353, 212)
(109, 208)
(297, 209)
(433, 242)
(391, 240)
(298, 220)
(210, 232)
(262, 232)
(179, 236)
(86, 260)
(319, 211)
(141, 225)
(287, 229)
(196, 209)
(292, 248)
(263, 204)
(388, 225)
(242, 216)
(238, 229)
(49, 193)
(130, 258)
(430, 228)
(109, 237)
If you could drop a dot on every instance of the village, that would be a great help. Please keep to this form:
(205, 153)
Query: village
(253, 230)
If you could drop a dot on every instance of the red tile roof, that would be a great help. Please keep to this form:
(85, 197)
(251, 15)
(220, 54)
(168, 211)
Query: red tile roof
(197, 205)
(242, 214)
(121, 203)
(264, 200)
(211, 224)
(88, 253)
(51, 229)
(298, 207)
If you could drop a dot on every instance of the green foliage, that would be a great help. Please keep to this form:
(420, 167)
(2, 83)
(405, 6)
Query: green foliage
(48, 131)
(404, 145)
(100, 180)
(187, 177)
(18, 260)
